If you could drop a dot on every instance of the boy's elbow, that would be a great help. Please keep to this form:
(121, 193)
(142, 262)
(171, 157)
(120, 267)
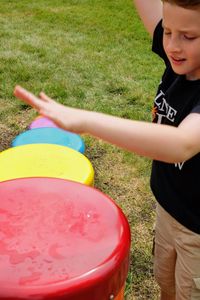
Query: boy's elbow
(181, 148)
(186, 151)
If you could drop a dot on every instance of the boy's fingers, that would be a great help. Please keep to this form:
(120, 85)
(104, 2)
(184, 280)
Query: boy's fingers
(26, 96)
(44, 97)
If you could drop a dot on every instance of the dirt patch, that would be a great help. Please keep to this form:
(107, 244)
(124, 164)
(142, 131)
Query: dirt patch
(12, 126)
(6, 136)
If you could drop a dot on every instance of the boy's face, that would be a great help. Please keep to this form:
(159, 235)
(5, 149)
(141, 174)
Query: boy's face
(182, 39)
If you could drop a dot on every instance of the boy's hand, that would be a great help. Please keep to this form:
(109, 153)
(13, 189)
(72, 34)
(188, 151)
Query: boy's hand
(67, 118)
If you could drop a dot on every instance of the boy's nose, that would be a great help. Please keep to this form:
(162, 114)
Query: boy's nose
(173, 45)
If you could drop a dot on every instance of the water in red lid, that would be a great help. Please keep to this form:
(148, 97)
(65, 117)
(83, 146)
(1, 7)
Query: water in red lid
(57, 236)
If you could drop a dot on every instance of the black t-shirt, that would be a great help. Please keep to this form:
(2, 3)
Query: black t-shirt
(176, 186)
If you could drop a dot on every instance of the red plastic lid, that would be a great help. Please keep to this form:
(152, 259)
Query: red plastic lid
(60, 238)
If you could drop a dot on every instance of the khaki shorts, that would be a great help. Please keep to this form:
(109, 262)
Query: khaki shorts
(177, 258)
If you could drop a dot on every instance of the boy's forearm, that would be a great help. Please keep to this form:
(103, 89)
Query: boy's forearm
(159, 142)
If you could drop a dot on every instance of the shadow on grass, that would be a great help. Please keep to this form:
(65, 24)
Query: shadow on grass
(141, 284)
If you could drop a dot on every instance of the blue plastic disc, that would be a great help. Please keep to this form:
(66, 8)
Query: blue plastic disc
(49, 135)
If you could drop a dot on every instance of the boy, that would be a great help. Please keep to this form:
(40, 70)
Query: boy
(172, 141)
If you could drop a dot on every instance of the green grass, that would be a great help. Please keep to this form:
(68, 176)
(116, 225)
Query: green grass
(94, 55)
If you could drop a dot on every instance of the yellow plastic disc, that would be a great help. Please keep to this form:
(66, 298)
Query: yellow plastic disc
(45, 160)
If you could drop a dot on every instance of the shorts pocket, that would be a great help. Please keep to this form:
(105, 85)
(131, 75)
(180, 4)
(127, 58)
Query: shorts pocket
(196, 290)
(197, 283)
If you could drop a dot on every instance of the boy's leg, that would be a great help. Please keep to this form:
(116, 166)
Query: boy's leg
(164, 254)
(177, 259)
(164, 296)
(188, 264)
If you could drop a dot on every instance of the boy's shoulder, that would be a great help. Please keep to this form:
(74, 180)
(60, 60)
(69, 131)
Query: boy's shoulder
(157, 43)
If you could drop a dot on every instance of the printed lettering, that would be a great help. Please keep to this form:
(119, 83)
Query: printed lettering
(160, 116)
(179, 165)
(164, 109)
(159, 95)
(171, 114)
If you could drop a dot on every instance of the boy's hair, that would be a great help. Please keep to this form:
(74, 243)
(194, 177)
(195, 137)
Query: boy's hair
(184, 3)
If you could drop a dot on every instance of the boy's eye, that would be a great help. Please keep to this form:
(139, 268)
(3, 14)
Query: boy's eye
(167, 32)
(189, 37)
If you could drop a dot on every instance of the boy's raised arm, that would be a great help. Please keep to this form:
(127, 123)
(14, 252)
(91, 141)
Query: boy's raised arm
(156, 141)
(150, 12)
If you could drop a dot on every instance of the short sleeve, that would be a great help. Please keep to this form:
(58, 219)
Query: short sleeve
(196, 109)
(157, 45)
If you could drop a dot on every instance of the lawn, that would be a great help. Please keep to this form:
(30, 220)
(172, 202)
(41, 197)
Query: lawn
(94, 55)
